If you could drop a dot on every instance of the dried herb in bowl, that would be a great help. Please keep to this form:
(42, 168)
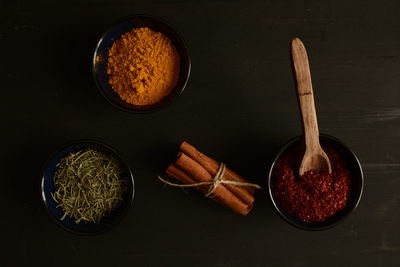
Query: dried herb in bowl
(88, 185)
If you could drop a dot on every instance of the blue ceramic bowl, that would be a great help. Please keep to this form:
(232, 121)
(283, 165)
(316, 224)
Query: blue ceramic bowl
(100, 60)
(357, 184)
(47, 187)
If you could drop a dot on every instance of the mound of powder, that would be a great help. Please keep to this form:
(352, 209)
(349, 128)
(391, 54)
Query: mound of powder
(143, 66)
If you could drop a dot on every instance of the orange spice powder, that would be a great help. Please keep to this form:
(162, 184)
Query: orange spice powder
(143, 66)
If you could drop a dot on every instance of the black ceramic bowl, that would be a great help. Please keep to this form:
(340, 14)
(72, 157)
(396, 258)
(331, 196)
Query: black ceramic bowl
(100, 60)
(47, 188)
(357, 183)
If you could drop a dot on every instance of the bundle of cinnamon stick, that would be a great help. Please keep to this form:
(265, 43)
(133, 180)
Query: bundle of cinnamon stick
(192, 167)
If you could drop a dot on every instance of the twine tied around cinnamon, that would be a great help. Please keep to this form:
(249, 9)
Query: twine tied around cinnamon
(218, 179)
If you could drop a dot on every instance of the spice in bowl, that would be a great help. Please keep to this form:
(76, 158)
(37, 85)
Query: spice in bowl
(88, 185)
(312, 197)
(143, 66)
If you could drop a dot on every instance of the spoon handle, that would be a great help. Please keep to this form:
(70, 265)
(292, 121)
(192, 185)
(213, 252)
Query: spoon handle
(305, 94)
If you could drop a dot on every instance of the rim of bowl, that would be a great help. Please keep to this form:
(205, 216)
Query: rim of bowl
(129, 177)
(185, 48)
(290, 221)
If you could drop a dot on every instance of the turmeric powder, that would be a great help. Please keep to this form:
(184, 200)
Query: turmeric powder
(143, 66)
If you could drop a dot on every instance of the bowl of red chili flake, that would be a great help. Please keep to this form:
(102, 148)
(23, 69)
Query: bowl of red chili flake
(315, 201)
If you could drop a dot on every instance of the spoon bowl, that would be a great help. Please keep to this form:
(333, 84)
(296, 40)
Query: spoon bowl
(315, 161)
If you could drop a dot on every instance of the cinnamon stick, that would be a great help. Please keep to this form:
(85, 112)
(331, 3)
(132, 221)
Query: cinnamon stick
(242, 192)
(180, 175)
(175, 172)
(199, 174)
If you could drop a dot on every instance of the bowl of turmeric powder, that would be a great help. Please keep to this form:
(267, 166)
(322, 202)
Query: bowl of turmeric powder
(141, 64)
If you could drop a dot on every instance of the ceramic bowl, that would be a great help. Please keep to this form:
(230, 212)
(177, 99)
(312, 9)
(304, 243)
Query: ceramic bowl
(100, 60)
(357, 184)
(55, 212)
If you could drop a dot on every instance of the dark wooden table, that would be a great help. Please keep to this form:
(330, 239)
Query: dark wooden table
(240, 107)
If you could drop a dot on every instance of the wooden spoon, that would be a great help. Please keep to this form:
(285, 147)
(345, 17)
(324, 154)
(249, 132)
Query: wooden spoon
(314, 158)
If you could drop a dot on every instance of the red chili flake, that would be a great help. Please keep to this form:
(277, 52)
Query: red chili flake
(312, 197)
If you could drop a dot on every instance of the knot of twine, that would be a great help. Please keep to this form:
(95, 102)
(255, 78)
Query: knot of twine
(218, 179)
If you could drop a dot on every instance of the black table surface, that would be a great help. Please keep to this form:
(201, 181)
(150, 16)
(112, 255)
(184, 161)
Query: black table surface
(239, 106)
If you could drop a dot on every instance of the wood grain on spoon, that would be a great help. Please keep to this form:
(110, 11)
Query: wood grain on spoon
(314, 157)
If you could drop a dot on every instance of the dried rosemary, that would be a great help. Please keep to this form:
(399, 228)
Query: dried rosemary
(88, 185)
